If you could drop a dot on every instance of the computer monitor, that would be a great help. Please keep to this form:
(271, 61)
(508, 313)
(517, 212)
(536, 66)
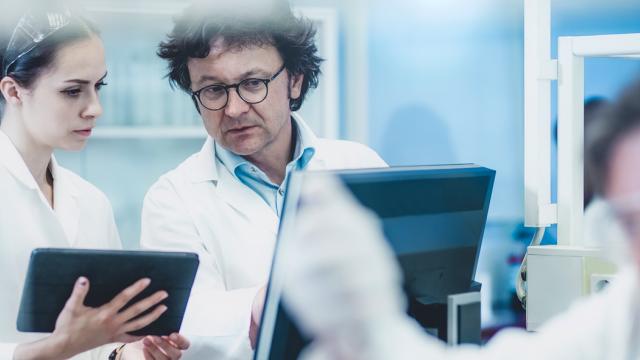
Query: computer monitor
(434, 219)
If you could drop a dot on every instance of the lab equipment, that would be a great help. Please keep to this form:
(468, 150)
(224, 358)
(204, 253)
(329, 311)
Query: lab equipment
(568, 213)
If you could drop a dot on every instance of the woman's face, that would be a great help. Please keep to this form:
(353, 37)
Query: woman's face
(61, 108)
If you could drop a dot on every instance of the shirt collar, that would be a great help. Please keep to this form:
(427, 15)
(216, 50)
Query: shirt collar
(303, 153)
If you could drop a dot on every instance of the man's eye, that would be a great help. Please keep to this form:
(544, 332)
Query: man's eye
(252, 83)
(214, 92)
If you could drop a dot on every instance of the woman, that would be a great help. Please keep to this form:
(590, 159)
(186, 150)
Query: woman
(53, 67)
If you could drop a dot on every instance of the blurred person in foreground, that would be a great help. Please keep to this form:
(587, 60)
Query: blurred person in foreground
(344, 287)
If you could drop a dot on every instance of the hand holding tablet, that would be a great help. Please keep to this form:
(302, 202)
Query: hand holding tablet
(112, 295)
(83, 328)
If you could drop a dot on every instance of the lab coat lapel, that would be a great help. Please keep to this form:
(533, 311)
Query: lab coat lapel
(318, 161)
(12, 160)
(231, 191)
(245, 201)
(65, 202)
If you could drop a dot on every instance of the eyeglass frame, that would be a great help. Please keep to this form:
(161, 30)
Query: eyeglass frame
(196, 94)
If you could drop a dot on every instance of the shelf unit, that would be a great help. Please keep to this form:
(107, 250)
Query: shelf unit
(149, 132)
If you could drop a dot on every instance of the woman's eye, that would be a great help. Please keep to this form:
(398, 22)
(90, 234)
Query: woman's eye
(72, 92)
(100, 85)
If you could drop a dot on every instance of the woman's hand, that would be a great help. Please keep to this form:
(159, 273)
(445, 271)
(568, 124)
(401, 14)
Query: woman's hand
(83, 328)
(156, 348)
(80, 328)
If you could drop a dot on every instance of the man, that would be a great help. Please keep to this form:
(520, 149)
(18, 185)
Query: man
(248, 69)
(361, 316)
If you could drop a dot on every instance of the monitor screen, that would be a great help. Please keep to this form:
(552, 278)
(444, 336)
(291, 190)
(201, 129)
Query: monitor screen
(433, 218)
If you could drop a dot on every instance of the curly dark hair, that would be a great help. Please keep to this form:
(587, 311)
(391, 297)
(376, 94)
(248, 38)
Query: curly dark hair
(618, 120)
(241, 25)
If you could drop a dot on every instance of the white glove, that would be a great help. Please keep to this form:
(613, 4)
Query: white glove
(341, 273)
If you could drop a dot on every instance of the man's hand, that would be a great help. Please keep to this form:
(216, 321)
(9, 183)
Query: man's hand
(156, 348)
(256, 315)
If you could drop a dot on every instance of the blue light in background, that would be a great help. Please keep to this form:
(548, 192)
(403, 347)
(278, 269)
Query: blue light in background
(446, 81)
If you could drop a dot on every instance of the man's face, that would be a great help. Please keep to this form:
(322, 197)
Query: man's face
(623, 187)
(246, 129)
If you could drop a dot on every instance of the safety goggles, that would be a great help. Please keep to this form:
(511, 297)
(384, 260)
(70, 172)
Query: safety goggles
(32, 29)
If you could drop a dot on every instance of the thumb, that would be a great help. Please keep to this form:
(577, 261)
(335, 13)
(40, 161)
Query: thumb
(181, 342)
(79, 293)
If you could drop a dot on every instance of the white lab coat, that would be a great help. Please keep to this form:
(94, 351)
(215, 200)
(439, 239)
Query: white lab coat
(201, 207)
(603, 230)
(82, 217)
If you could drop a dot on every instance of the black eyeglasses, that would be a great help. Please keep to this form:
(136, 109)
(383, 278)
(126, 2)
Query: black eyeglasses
(251, 91)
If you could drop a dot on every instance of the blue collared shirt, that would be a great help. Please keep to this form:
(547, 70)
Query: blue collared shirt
(250, 175)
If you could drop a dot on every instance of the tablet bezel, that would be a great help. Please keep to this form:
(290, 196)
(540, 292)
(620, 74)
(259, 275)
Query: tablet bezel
(52, 274)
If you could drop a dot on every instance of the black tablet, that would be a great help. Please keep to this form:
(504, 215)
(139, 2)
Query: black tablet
(53, 272)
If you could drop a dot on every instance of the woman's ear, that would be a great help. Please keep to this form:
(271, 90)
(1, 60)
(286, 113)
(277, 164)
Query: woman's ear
(11, 90)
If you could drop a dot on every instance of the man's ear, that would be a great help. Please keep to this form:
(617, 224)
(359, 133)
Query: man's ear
(11, 90)
(295, 86)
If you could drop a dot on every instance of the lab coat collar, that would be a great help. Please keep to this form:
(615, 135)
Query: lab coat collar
(238, 195)
(65, 202)
(230, 190)
(205, 164)
(304, 151)
(205, 168)
(318, 160)
(245, 200)
(13, 161)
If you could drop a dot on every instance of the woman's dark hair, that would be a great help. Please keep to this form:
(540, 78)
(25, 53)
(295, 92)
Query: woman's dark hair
(618, 119)
(241, 25)
(26, 69)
